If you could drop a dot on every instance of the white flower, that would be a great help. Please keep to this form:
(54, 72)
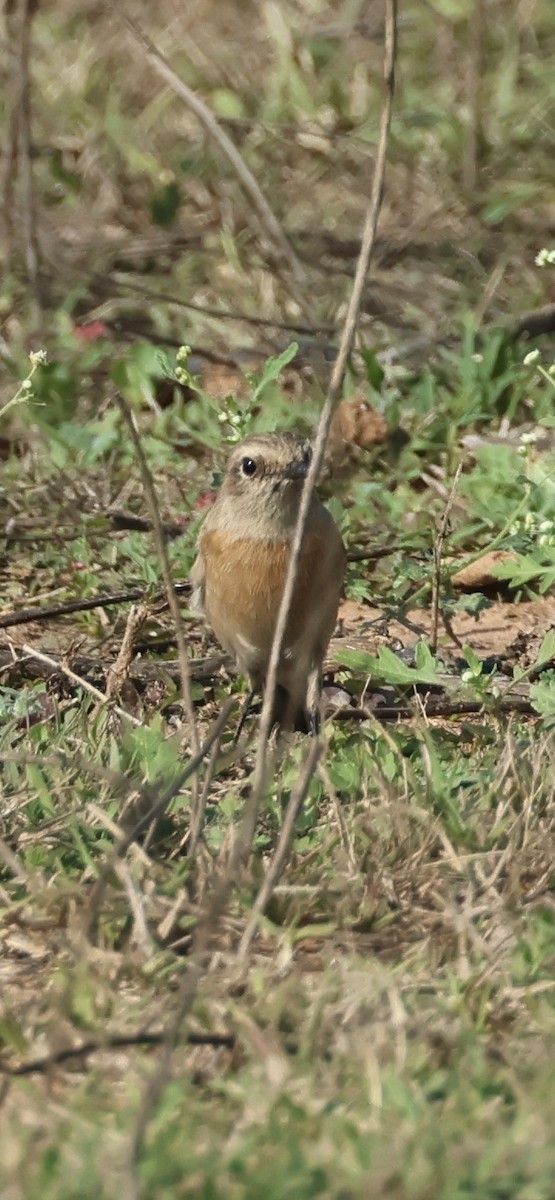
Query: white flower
(37, 358)
(545, 258)
(531, 358)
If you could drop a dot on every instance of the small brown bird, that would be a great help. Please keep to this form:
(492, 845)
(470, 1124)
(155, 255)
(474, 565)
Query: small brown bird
(239, 573)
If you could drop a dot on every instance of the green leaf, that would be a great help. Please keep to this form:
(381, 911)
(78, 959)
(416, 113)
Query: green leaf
(374, 371)
(165, 204)
(542, 695)
(11, 1032)
(475, 666)
(388, 667)
(425, 662)
(227, 104)
(273, 368)
(547, 649)
(356, 660)
(518, 571)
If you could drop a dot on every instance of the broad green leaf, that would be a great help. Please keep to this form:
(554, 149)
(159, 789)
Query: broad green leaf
(273, 368)
(542, 695)
(388, 667)
(547, 649)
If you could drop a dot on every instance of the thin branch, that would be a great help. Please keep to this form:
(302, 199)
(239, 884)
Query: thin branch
(161, 547)
(116, 522)
(118, 671)
(82, 683)
(436, 708)
(533, 324)
(473, 87)
(112, 1042)
(203, 934)
(144, 671)
(438, 552)
(221, 314)
(10, 139)
(243, 840)
(153, 814)
(198, 809)
(372, 552)
(25, 162)
(141, 933)
(333, 395)
(283, 847)
(158, 809)
(25, 616)
(45, 612)
(215, 131)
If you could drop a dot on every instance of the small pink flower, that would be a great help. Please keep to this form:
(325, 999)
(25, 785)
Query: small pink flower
(91, 332)
(205, 499)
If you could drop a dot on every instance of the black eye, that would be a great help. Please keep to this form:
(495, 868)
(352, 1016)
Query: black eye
(307, 456)
(248, 467)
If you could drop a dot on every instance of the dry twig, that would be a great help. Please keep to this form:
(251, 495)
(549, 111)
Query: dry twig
(102, 697)
(155, 810)
(17, 148)
(243, 839)
(45, 612)
(115, 1041)
(283, 847)
(220, 314)
(438, 552)
(160, 542)
(141, 672)
(215, 131)
(244, 836)
(333, 395)
(118, 671)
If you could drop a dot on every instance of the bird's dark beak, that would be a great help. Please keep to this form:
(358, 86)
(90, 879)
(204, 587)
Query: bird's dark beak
(296, 470)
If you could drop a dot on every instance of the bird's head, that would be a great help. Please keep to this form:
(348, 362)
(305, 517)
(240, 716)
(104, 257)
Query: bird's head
(264, 479)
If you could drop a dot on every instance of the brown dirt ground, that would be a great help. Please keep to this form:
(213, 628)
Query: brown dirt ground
(504, 630)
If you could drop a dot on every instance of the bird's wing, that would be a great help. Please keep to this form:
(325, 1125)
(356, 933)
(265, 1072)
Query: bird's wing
(198, 579)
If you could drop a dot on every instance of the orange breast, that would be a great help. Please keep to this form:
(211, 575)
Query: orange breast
(243, 587)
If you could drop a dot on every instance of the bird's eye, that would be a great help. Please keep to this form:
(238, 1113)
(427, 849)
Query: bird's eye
(248, 467)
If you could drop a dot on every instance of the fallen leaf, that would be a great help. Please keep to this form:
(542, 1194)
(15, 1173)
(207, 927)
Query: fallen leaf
(356, 423)
(481, 573)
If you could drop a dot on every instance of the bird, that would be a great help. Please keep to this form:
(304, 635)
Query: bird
(241, 563)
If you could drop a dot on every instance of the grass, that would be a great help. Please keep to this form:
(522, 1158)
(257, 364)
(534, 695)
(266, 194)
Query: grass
(390, 1028)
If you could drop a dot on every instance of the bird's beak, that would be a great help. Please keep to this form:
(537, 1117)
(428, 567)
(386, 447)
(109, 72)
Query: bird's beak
(296, 470)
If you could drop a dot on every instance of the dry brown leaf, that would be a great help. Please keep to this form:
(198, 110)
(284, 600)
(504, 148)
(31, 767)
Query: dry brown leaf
(222, 381)
(481, 573)
(356, 423)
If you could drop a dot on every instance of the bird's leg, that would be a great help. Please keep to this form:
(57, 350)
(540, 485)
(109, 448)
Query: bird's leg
(315, 722)
(245, 710)
(313, 700)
